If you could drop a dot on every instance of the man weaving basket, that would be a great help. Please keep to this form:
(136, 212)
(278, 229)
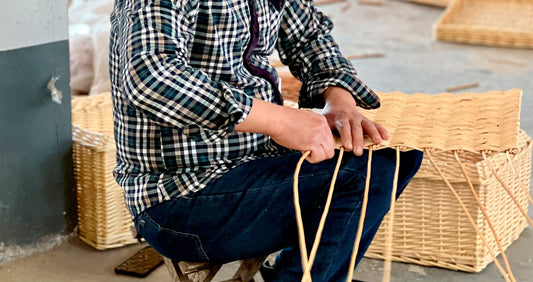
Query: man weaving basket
(206, 151)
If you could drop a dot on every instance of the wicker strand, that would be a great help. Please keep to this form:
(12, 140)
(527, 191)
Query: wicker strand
(318, 236)
(498, 265)
(524, 213)
(299, 220)
(485, 214)
(387, 268)
(361, 218)
(520, 182)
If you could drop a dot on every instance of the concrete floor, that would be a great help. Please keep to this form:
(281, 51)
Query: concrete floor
(413, 62)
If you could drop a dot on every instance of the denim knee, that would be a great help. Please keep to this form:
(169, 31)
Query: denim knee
(410, 162)
(170, 243)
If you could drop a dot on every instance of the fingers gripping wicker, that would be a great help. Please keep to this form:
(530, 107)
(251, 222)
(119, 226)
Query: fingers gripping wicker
(103, 220)
(506, 23)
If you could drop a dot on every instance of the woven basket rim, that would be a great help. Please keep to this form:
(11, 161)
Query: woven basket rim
(91, 138)
(409, 140)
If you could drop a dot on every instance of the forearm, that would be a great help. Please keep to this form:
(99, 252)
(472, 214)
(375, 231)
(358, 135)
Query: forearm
(292, 128)
(264, 118)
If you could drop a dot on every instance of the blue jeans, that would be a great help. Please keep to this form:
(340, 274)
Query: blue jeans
(249, 212)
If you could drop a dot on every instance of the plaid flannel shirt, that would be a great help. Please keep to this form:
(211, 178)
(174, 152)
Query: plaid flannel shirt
(184, 74)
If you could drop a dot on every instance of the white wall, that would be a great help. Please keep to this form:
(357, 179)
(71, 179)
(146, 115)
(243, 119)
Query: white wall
(25, 23)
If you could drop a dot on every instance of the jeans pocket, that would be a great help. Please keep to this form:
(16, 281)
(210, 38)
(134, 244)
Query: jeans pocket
(170, 243)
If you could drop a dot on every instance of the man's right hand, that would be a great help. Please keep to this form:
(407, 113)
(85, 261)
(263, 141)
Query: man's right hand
(305, 130)
(295, 129)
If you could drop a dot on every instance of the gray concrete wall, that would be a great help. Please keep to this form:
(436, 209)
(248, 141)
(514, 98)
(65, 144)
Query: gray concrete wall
(32, 22)
(37, 198)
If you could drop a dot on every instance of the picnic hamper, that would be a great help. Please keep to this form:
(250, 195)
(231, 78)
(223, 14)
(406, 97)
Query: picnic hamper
(504, 23)
(103, 220)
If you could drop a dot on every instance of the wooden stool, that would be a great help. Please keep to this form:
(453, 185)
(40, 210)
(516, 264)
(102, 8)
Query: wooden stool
(204, 272)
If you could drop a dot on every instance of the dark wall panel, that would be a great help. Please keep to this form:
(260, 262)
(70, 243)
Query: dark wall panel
(37, 196)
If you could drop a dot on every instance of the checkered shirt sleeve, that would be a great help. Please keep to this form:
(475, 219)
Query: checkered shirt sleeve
(306, 46)
(160, 82)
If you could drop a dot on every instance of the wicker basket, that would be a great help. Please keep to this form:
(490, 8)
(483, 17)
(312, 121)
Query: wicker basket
(103, 220)
(506, 23)
(431, 229)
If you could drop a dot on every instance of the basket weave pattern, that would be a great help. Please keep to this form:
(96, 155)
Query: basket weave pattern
(430, 228)
(505, 23)
(103, 220)
(471, 122)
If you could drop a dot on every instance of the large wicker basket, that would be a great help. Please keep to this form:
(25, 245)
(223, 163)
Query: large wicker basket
(430, 228)
(103, 220)
(506, 23)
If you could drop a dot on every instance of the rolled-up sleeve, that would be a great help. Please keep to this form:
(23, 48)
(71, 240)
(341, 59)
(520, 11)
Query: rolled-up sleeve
(306, 46)
(160, 83)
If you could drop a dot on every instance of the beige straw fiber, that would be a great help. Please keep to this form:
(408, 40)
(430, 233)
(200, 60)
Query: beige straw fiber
(469, 200)
(444, 122)
(103, 220)
(430, 226)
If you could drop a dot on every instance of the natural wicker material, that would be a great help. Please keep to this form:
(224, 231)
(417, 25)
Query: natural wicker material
(506, 23)
(444, 122)
(103, 220)
(468, 127)
(430, 228)
(438, 3)
(473, 125)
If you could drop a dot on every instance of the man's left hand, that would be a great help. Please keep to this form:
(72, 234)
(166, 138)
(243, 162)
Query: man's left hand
(342, 115)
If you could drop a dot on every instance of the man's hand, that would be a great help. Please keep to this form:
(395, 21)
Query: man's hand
(305, 131)
(342, 115)
(292, 128)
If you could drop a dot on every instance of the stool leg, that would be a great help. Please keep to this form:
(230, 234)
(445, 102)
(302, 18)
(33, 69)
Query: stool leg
(191, 272)
(248, 269)
(212, 272)
(180, 276)
(205, 272)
